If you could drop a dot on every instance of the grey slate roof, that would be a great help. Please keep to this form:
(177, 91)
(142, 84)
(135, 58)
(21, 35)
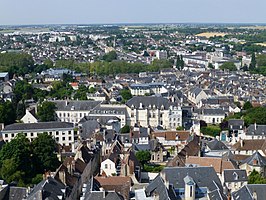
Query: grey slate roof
(236, 123)
(256, 130)
(65, 105)
(47, 189)
(216, 195)
(247, 192)
(203, 176)
(147, 101)
(235, 175)
(256, 160)
(216, 145)
(214, 111)
(38, 126)
(157, 186)
(106, 195)
(17, 193)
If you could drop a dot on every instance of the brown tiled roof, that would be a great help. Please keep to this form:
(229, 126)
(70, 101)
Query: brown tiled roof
(171, 135)
(217, 163)
(118, 183)
(249, 145)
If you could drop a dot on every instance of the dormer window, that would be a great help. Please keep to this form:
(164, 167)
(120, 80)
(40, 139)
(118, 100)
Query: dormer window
(235, 176)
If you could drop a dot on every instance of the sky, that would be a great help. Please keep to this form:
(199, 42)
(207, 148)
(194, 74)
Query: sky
(24, 12)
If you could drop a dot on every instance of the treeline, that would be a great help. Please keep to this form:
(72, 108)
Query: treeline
(25, 162)
(102, 68)
(16, 63)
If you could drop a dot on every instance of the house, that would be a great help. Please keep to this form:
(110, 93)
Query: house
(249, 147)
(139, 135)
(212, 116)
(250, 192)
(186, 183)
(30, 116)
(254, 162)
(196, 95)
(234, 179)
(147, 89)
(73, 111)
(63, 132)
(154, 111)
(4, 76)
(93, 190)
(218, 164)
(119, 162)
(236, 129)
(255, 131)
(192, 148)
(48, 189)
(171, 138)
(77, 170)
(119, 184)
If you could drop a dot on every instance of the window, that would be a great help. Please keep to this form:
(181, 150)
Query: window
(63, 133)
(63, 138)
(12, 135)
(106, 166)
(69, 138)
(31, 134)
(69, 132)
(6, 135)
(56, 133)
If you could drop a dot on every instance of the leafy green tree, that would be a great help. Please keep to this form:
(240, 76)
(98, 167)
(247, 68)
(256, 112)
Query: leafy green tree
(126, 94)
(23, 91)
(211, 130)
(109, 57)
(210, 66)
(81, 93)
(253, 62)
(46, 111)
(247, 105)
(228, 65)
(125, 129)
(16, 153)
(43, 149)
(256, 178)
(143, 157)
(261, 60)
(257, 115)
(7, 113)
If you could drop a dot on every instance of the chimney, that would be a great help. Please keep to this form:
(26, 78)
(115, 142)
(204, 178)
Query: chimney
(255, 126)
(255, 162)
(62, 176)
(73, 165)
(66, 102)
(241, 142)
(255, 197)
(2, 126)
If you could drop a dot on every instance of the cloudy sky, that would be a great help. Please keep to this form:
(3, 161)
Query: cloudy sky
(134, 11)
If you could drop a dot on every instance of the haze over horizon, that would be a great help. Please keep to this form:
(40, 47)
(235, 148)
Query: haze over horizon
(123, 11)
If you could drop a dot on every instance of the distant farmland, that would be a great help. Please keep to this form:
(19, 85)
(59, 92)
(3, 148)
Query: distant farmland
(211, 34)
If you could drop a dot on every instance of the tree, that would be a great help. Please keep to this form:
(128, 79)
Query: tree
(247, 105)
(256, 178)
(143, 157)
(211, 130)
(210, 66)
(229, 66)
(43, 149)
(125, 129)
(126, 94)
(255, 115)
(109, 57)
(253, 62)
(7, 113)
(17, 154)
(46, 111)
